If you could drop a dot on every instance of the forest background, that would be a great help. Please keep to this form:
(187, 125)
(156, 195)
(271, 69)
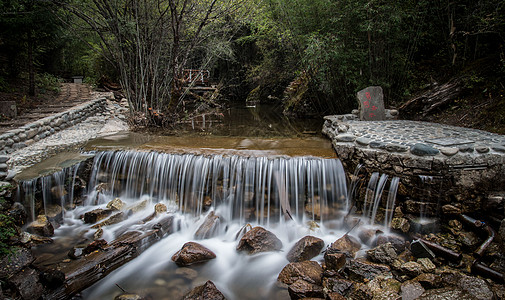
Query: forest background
(310, 56)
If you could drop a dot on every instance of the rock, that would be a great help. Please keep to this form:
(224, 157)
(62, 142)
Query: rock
(384, 287)
(187, 273)
(4, 159)
(449, 151)
(396, 148)
(400, 224)
(309, 271)
(94, 246)
(27, 284)
(420, 250)
(41, 227)
(139, 206)
(345, 138)
(160, 208)
(334, 296)
(346, 244)
(445, 294)
(98, 234)
(128, 297)
(116, 204)
(363, 141)
(303, 289)
(18, 214)
(52, 278)
(384, 254)
(474, 286)
(11, 264)
(396, 241)
(412, 268)
(482, 149)
(423, 150)
(114, 219)
(427, 265)
(411, 290)
(368, 235)
(334, 261)
(209, 227)
(305, 249)
(429, 281)
(259, 240)
(469, 239)
(96, 215)
(192, 253)
(207, 291)
(26, 238)
(359, 269)
(450, 210)
(338, 285)
(75, 253)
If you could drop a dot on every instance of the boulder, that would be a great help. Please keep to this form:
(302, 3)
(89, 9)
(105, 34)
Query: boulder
(96, 215)
(27, 284)
(259, 240)
(398, 242)
(207, 291)
(346, 244)
(400, 224)
(18, 214)
(309, 271)
(359, 269)
(192, 253)
(209, 227)
(338, 285)
(116, 204)
(384, 254)
(334, 261)
(160, 208)
(303, 289)
(11, 264)
(41, 227)
(305, 249)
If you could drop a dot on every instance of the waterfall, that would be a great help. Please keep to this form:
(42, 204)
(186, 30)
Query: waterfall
(390, 204)
(259, 189)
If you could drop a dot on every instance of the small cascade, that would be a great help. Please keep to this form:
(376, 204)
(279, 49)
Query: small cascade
(55, 189)
(353, 186)
(255, 189)
(390, 204)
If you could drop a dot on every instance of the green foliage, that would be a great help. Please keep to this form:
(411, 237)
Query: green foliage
(47, 82)
(7, 228)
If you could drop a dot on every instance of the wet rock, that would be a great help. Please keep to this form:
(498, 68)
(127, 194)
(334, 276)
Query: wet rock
(160, 208)
(429, 281)
(423, 150)
(358, 269)
(412, 268)
(411, 290)
(209, 227)
(116, 204)
(75, 252)
(187, 273)
(384, 288)
(18, 213)
(400, 224)
(58, 192)
(259, 240)
(305, 249)
(192, 253)
(98, 234)
(10, 264)
(128, 297)
(309, 271)
(41, 227)
(334, 261)
(384, 254)
(368, 235)
(446, 293)
(54, 212)
(27, 284)
(96, 215)
(94, 246)
(427, 265)
(207, 291)
(338, 285)
(114, 219)
(26, 238)
(334, 296)
(346, 244)
(469, 239)
(450, 210)
(474, 286)
(139, 206)
(303, 289)
(398, 242)
(420, 250)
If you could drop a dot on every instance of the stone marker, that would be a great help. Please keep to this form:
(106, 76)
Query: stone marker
(371, 104)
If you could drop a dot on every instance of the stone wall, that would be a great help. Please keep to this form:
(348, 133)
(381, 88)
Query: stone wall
(30, 133)
(468, 177)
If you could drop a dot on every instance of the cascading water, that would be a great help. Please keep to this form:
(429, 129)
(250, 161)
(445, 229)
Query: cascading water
(291, 197)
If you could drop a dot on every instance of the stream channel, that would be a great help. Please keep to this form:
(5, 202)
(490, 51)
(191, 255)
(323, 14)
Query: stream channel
(247, 165)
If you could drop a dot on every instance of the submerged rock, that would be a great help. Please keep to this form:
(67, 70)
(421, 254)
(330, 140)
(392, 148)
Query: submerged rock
(207, 291)
(209, 227)
(305, 249)
(309, 271)
(259, 240)
(192, 253)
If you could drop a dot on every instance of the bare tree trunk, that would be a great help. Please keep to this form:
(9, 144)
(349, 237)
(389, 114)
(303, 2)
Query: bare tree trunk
(31, 65)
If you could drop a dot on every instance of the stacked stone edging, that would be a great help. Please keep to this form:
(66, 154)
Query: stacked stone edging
(28, 134)
(463, 174)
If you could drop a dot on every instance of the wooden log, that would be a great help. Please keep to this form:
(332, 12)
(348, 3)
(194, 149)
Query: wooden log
(84, 272)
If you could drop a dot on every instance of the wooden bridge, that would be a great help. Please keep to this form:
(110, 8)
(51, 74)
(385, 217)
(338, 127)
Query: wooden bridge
(198, 81)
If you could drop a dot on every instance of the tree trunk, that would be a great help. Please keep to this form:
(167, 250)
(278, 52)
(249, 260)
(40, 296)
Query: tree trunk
(31, 65)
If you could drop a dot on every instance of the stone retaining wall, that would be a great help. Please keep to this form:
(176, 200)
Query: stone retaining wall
(431, 176)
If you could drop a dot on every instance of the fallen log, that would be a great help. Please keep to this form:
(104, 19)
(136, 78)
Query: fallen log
(84, 272)
(433, 99)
